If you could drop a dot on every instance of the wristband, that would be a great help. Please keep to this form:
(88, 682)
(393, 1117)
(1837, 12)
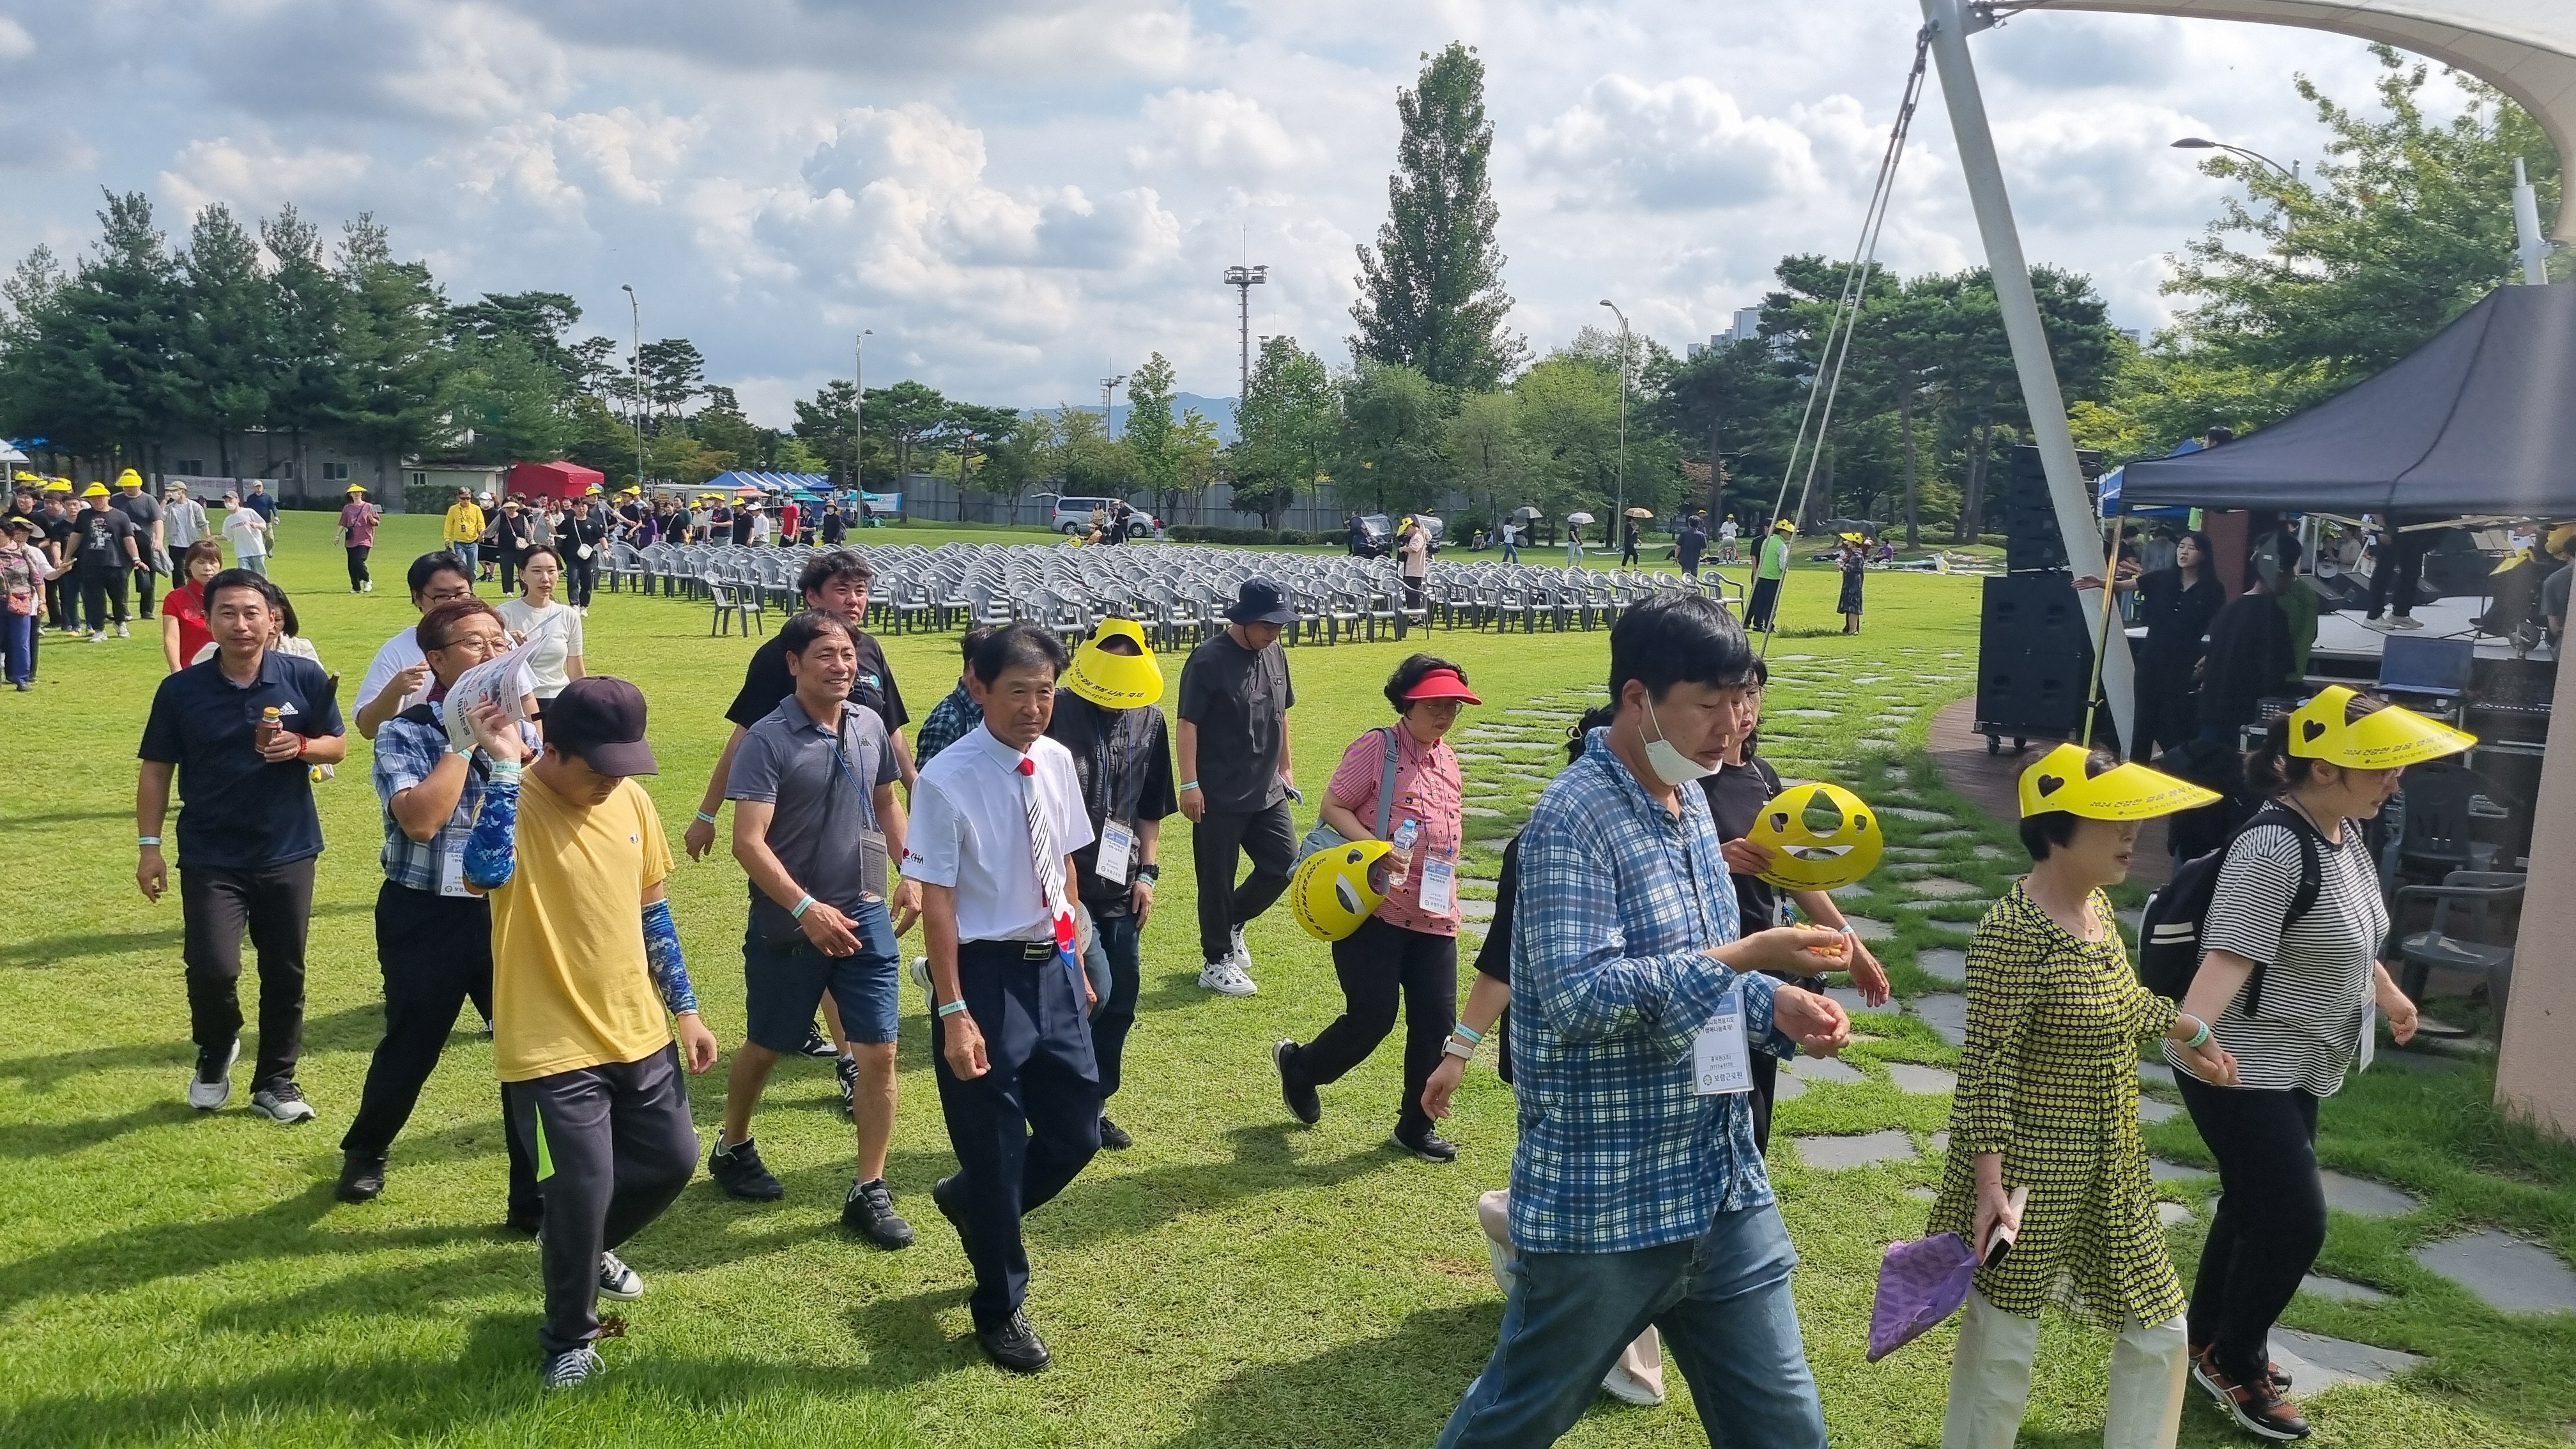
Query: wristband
(951, 1008)
(796, 912)
(702, 815)
(1190, 785)
(1149, 871)
(144, 840)
(2199, 1038)
(1456, 1048)
(1469, 1033)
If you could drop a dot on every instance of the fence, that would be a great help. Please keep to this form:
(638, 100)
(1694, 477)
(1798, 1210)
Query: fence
(937, 500)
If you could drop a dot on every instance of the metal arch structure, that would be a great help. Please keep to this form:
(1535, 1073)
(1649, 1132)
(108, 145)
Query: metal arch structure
(2524, 48)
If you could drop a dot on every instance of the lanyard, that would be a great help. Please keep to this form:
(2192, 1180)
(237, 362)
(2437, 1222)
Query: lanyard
(867, 801)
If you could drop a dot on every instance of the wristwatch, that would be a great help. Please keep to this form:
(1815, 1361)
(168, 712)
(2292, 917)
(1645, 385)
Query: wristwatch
(1150, 871)
(1453, 1047)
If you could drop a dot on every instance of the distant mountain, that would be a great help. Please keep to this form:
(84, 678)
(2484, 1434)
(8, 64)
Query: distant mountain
(1217, 410)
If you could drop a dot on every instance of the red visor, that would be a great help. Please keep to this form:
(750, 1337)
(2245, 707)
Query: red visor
(1442, 684)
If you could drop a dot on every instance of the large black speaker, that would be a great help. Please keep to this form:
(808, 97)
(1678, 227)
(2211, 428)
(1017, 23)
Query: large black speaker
(2035, 611)
(2031, 539)
(2034, 657)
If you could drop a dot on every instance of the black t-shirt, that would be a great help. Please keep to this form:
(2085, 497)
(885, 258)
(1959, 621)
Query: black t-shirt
(102, 535)
(510, 534)
(2249, 660)
(2176, 617)
(1736, 795)
(1494, 958)
(144, 510)
(742, 526)
(1123, 757)
(1239, 699)
(60, 533)
(766, 681)
(238, 811)
(835, 527)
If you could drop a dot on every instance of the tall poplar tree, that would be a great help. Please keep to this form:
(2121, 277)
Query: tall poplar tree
(222, 361)
(1431, 294)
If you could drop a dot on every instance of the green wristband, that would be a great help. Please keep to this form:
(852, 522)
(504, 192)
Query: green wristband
(951, 1008)
(2199, 1038)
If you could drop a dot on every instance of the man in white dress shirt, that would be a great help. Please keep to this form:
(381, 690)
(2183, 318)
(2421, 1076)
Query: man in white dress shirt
(995, 820)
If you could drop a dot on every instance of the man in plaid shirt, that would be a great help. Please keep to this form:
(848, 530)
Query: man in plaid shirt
(433, 938)
(951, 718)
(1636, 1199)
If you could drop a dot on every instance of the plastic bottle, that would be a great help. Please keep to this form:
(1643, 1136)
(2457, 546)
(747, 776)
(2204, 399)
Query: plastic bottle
(1400, 858)
(268, 726)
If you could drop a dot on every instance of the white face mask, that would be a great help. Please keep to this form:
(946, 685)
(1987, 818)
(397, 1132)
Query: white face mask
(1670, 765)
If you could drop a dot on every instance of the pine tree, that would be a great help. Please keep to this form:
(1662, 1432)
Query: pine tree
(396, 372)
(1431, 296)
(305, 381)
(122, 323)
(222, 362)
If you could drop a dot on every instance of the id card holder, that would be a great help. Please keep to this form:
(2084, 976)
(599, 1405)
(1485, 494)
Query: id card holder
(1439, 887)
(1117, 848)
(451, 873)
(1721, 1063)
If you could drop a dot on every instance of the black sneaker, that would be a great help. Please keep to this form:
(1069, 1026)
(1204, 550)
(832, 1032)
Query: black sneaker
(869, 1212)
(738, 1170)
(817, 1045)
(1114, 1137)
(1430, 1146)
(847, 1069)
(525, 1221)
(362, 1177)
(1302, 1101)
(1015, 1345)
(943, 1194)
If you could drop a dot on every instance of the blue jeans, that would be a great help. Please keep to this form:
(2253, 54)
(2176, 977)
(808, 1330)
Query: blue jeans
(783, 984)
(1723, 1304)
(466, 551)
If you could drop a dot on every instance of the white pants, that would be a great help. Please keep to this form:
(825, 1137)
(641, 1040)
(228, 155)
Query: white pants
(1990, 1382)
(1638, 1376)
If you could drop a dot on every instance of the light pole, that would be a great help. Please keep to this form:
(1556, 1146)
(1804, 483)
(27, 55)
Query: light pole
(2203, 143)
(1108, 385)
(1243, 280)
(1622, 511)
(859, 409)
(635, 318)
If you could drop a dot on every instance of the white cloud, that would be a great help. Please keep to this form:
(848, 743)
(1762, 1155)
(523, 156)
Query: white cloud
(1220, 135)
(15, 42)
(1679, 145)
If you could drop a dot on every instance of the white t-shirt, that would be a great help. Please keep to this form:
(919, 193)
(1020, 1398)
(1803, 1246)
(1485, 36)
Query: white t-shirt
(401, 652)
(242, 529)
(970, 831)
(556, 630)
(1726, 530)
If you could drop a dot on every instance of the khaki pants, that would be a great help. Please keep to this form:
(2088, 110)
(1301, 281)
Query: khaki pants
(1990, 1382)
(1638, 1376)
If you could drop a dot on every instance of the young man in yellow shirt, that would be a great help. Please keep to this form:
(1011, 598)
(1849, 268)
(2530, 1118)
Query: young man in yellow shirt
(571, 853)
(464, 534)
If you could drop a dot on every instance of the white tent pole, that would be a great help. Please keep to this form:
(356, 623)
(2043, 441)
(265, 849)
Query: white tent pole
(2020, 307)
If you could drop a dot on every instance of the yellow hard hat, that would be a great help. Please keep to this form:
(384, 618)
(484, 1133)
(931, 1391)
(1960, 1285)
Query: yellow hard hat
(1818, 855)
(129, 479)
(1116, 681)
(2384, 739)
(95, 490)
(1330, 893)
(2056, 781)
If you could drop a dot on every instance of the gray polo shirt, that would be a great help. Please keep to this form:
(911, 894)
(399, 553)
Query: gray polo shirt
(822, 793)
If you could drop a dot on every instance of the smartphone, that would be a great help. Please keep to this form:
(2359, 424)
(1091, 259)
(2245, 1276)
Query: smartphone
(2000, 1241)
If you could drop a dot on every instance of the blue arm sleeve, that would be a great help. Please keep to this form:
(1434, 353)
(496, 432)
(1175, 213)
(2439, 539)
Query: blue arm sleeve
(662, 958)
(491, 851)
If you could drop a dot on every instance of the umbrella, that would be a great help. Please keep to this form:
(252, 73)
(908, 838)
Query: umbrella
(1919, 1284)
(1578, 518)
(1526, 513)
(1641, 513)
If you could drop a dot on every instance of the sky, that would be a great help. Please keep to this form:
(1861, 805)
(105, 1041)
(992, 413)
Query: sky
(1019, 197)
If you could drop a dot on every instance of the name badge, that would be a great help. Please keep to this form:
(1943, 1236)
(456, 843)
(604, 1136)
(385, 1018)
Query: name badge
(451, 873)
(1117, 844)
(1439, 887)
(1721, 1063)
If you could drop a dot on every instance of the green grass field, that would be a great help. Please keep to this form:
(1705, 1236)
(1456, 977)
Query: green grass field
(1234, 1280)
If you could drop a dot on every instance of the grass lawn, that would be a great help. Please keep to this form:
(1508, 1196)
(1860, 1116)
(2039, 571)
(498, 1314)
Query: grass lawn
(1233, 1280)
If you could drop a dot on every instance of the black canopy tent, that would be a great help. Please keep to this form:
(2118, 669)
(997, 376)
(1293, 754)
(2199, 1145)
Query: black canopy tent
(2479, 420)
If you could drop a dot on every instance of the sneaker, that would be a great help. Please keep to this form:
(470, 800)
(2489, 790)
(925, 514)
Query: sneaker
(1225, 978)
(572, 1367)
(2280, 1376)
(1114, 1137)
(740, 1172)
(98, 638)
(2260, 1409)
(1430, 1146)
(1302, 1102)
(618, 1281)
(211, 1085)
(2401, 621)
(943, 1195)
(282, 1103)
(869, 1212)
(817, 1045)
(1015, 1346)
(921, 975)
(362, 1177)
(123, 632)
(1240, 953)
(846, 1069)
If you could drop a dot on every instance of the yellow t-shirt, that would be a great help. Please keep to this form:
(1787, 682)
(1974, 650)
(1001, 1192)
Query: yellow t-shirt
(464, 523)
(570, 988)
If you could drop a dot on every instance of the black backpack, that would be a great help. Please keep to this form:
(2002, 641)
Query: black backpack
(2169, 931)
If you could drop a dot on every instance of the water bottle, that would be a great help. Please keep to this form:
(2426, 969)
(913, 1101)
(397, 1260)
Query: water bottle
(1400, 859)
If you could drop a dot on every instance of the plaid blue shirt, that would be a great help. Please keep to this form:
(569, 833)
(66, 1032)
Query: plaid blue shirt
(1617, 899)
(406, 751)
(949, 722)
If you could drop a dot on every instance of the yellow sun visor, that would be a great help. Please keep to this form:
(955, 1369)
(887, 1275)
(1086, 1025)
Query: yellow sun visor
(2384, 739)
(1821, 837)
(1330, 893)
(1116, 681)
(2123, 792)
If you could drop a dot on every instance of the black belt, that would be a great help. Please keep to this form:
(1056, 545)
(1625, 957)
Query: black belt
(1021, 950)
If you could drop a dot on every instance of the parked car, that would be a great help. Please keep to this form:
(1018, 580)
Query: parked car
(1072, 516)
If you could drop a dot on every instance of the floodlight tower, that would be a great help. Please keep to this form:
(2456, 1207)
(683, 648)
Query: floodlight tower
(1243, 280)
(1108, 387)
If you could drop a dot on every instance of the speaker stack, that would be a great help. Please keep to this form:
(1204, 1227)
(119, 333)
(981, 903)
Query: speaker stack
(2034, 639)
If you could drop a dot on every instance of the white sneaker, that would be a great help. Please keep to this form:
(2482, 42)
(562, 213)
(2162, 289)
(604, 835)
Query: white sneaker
(572, 1367)
(1227, 979)
(124, 633)
(282, 1103)
(618, 1281)
(1241, 955)
(98, 638)
(921, 974)
(207, 1093)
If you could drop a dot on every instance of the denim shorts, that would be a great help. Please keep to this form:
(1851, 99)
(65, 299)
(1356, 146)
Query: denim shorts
(782, 986)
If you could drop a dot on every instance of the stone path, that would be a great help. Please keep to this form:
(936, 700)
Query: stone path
(1823, 1069)
(2319, 1363)
(2339, 1290)
(2506, 1273)
(1946, 1012)
(1943, 963)
(2363, 1198)
(1862, 1150)
(1920, 1080)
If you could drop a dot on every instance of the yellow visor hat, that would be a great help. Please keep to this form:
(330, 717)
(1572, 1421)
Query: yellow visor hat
(2384, 739)
(1116, 681)
(95, 490)
(129, 479)
(1821, 837)
(1330, 892)
(2123, 792)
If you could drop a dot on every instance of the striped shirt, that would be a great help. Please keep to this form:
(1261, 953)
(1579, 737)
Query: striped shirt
(2317, 973)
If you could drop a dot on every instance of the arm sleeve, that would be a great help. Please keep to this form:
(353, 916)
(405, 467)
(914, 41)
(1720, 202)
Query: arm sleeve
(2000, 975)
(491, 850)
(2251, 905)
(931, 847)
(662, 958)
(755, 771)
(1071, 819)
(748, 704)
(1354, 782)
(1494, 958)
(1194, 692)
(1570, 963)
(889, 770)
(896, 716)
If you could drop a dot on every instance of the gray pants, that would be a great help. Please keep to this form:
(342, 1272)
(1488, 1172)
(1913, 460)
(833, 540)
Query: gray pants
(614, 1146)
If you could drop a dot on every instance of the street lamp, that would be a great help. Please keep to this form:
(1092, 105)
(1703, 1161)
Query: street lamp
(2203, 143)
(859, 410)
(635, 317)
(1622, 513)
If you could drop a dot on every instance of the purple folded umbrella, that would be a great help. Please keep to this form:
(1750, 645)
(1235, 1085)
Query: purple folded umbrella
(1919, 1284)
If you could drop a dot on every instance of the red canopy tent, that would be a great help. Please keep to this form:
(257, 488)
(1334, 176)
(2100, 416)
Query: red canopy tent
(553, 480)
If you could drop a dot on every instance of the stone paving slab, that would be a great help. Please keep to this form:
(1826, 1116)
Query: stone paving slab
(1823, 1069)
(2155, 1072)
(1475, 910)
(2170, 1213)
(2363, 1198)
(1938, 837)
(1923, 1194)
(1989, 852)
(1480, 812)
(2339, 1290)
(2505, 1272)
(1904, 812)
(2320, 1363)
(1856, 1008)
(2159, 1170)
(1946, 1012)
(1836, 1153)
(1921, 1080)
(1786, 1088)
(1867, 929)
(1942, 887)
(1946, 963)
(2150, 1110)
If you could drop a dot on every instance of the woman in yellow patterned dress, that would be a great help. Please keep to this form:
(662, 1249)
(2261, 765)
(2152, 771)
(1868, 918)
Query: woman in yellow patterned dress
(2047, 1102)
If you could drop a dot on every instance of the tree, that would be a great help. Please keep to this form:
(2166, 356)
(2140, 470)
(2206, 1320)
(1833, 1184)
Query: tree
(1023, 455)
(512, 402)
(1431, 295)
(539, 318)
(1285, 425)
(674, 371)
(1727, 400)
(305, 307)
(221, 358)
(824, 424)
(971, 428)
(595, 368)
(722, 426)
(1394, 426)
(1150, 389)
(1488, 457)
(903, 416)
(121, 315)
(395, 372)
(599, 439)
(1191, 460)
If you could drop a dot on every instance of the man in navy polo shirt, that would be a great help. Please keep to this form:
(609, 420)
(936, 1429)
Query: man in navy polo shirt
(248, 833)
